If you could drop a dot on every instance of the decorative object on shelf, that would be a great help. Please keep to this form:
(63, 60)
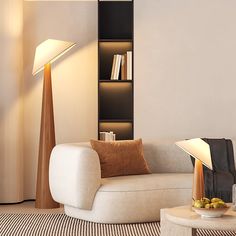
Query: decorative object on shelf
(107, 136)
(200, 150)
(46, 53)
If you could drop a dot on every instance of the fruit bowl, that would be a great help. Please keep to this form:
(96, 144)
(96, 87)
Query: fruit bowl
(211, 212)
(210, 208)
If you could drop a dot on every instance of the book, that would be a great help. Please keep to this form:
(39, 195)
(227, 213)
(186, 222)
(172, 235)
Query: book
(107, 136)
(113, 67)
(129, 65)
(124, 67)
(117, 67)
(102, 136)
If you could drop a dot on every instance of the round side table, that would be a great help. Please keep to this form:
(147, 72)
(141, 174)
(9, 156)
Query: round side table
(183, 221)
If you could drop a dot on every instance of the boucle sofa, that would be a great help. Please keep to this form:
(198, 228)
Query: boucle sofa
(75, 181)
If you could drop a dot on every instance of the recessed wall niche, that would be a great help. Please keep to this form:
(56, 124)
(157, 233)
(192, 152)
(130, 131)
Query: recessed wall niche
(115, 97)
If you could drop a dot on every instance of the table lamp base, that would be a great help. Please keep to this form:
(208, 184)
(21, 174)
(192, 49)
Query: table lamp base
(198, 181)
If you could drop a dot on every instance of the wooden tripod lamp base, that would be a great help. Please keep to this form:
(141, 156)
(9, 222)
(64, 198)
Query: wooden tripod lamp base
(198, 181)
(46, 53)
(44, 198)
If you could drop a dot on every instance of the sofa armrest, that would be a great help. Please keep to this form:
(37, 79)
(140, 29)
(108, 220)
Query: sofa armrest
(74, 175)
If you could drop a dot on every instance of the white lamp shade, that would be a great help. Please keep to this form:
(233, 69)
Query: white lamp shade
(198, 149)
(49, 51)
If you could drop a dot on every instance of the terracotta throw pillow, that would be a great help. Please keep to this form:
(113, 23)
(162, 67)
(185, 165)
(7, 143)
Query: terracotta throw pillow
(121, 157)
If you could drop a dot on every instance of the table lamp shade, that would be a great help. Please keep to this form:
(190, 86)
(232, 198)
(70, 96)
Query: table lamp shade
(198, 149)
(49, 51)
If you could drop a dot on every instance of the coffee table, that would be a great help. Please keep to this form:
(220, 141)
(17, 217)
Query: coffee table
(182, 221)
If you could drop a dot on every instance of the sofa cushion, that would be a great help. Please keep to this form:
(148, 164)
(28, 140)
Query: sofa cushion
(147, 182)
(163, 156)
(121, 157)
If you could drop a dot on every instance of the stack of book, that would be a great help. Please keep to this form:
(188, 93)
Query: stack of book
(107, 136)
(123, 64)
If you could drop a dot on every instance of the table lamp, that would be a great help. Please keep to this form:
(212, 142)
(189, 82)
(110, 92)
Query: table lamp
(200, 150)
(46, 53)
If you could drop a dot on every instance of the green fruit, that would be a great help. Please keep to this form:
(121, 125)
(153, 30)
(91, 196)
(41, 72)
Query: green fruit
(198, 204)
(215, 205)
(212, 205)
(221, 204)
(215, 199)
(208, 206)
(206, 200)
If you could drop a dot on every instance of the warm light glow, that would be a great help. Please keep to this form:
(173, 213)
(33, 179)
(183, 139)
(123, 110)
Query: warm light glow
(116, 45)
(123, 129)
(116, 87)
(49, 51)
(198, 149)
(111, 126)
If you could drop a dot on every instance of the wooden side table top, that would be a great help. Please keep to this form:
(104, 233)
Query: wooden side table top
(186, 217)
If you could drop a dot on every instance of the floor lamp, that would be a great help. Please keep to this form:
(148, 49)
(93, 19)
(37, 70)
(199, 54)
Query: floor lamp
(46, 53)
(200, 150)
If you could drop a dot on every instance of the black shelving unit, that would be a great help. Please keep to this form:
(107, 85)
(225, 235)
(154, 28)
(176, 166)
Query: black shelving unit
(115, 97)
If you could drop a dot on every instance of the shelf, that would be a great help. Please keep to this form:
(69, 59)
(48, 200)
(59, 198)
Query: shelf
(116, 121)
(115, 97)
(115, 102)
(115, 20)
(107, 50)
(114, 40)
(123, 131)
(115, 81)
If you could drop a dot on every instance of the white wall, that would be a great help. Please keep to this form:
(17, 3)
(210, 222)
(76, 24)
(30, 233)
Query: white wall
(185, 73)
(74, 76)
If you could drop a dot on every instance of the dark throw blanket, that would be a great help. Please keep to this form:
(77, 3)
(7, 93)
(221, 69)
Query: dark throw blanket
(219, 181)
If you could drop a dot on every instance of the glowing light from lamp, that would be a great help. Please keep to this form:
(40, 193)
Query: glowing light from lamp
(49, 51)
(198, 149)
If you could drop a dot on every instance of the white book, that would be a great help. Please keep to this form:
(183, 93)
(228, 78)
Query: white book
(107, 137)
(117, 67)
(113, 67)
(129, 65)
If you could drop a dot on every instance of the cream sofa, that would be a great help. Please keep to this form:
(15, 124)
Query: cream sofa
(75, 181)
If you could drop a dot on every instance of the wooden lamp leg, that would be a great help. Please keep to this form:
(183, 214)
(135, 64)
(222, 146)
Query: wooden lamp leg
(47, 142)
(198, 181)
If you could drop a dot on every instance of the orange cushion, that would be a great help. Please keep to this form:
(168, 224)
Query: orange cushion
(121, 157)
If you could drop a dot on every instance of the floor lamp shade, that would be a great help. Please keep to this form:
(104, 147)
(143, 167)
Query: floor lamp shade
(45, 54)
(200, 150)
(48, 52)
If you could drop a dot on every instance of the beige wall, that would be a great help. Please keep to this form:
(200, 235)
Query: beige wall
(11, 130)
(184, 76)
(74, 76)
(185, 73)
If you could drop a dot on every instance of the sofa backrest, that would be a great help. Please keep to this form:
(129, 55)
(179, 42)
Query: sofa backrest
(163, 156)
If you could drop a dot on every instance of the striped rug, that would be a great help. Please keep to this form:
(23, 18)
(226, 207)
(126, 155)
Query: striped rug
(62, 225)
